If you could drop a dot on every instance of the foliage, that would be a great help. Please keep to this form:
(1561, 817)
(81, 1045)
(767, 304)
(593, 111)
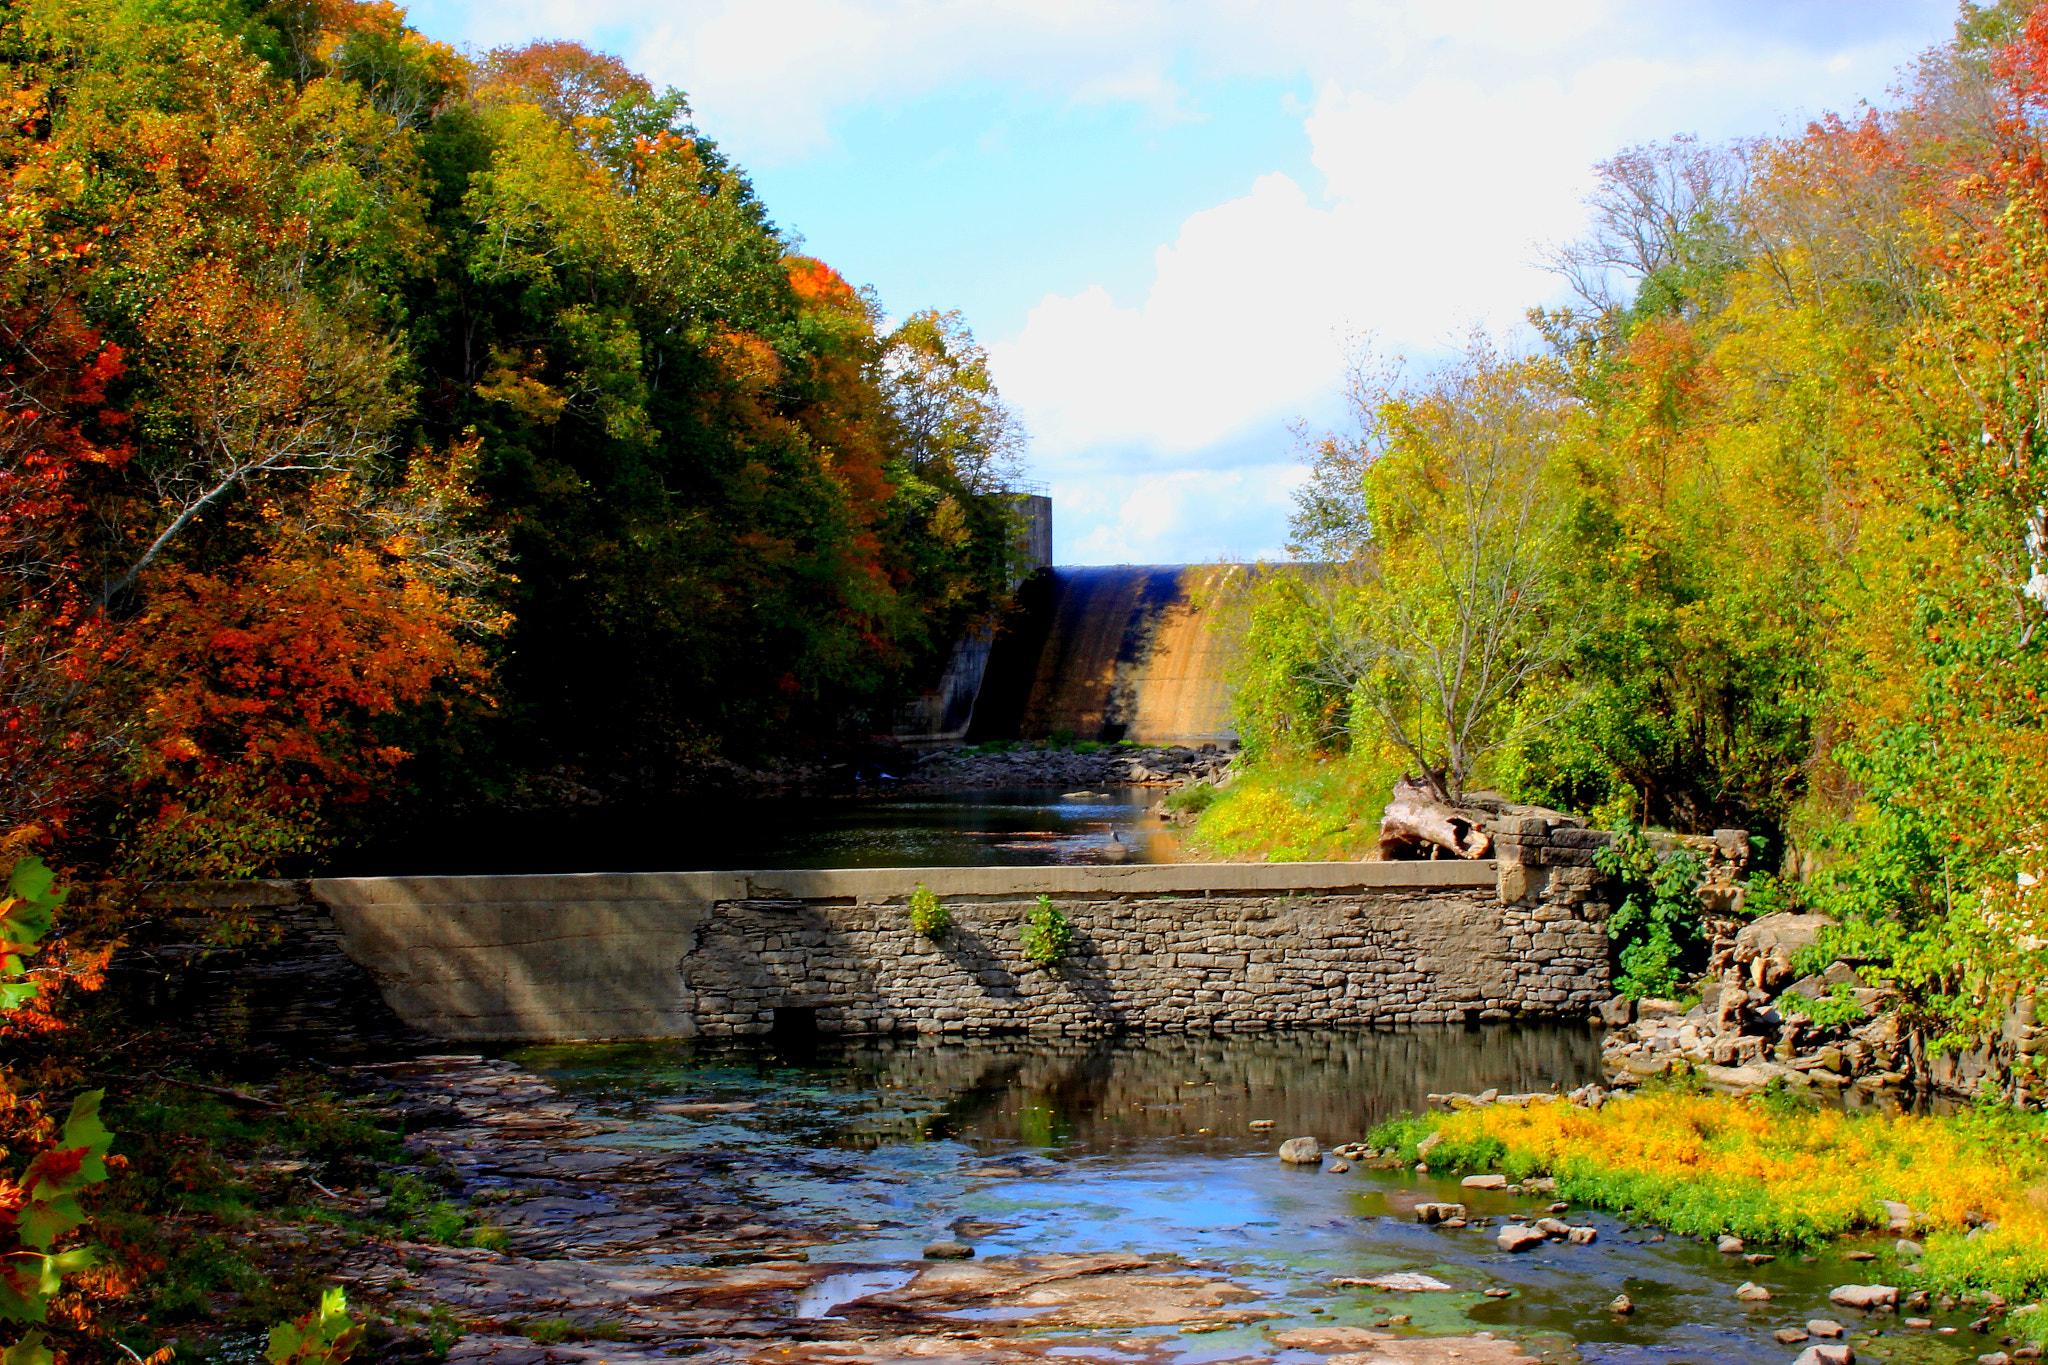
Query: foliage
(928, 915)
(39, 1207)
(1436, 612)
(1192, 798)
(1046, 934)
(315, 330)
(1655, 931)
(1831, 1010)
(325, 1336)
(1702, 1165)
(1289, 807)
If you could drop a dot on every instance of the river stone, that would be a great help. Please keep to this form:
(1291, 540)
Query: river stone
(1622, 1304)
(1864, 1295)
(1439, 1213)
(1405, 1281)
(1579, 1237)
(1515, 1237)
(1828, 1353)
(1908, 1248)
(1791, 1336)
(1301, 1151)
(1485, 1182)
(1826, 1327)
(949, 1251)
(1752, 1292)
(1729, 1246)
(1553, 1227)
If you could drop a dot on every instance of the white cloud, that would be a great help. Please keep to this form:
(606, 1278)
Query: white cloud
(1452, 138)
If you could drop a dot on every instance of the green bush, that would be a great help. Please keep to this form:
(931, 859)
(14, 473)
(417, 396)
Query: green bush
(1832, 1010)
(1655, 932)
(1192, 799)
(1047, 934)
(928, 916)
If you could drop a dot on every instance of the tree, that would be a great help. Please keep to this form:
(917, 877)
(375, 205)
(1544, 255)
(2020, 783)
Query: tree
(1440, 608)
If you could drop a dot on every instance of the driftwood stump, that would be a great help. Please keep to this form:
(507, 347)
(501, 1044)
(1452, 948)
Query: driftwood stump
(1421, 823)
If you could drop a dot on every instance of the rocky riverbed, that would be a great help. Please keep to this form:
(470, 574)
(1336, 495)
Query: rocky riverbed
(1119, 1201)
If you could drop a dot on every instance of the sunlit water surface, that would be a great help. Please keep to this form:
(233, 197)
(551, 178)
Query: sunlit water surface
(1145, 1145)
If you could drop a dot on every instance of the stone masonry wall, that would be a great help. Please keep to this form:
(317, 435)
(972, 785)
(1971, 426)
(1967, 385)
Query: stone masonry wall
(1157, 949)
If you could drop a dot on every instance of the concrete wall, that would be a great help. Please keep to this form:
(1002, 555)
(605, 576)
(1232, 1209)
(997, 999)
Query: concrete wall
(1157, 948)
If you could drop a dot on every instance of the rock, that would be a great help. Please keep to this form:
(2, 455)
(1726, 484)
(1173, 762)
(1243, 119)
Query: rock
(1729, 1246)
(1919, 1322)
(1752, 1292)
(1427, 1145)
(1301, 1151)
(1617, 1012)
(1758, 1257)
(1864, 1296)
(1906, 1248)
(1581, 1236)
(1995, 1358)
(1622, 1304)
(1439, 1213)
(1515, 1237)
(1553, 1227)
(1485, 1182)
(1827, 1354)
(1783, 934)
(949, 1251)
(1826, 1327)
(1902, 1216)
(1499, 1293)
(1261, 1125)
(1338, 1167)
(1859, 1255)
(1790, 1336)
(1403, 1281)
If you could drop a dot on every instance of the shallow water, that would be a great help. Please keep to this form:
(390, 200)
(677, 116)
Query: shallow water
(1143, 1144)
(1021, 826)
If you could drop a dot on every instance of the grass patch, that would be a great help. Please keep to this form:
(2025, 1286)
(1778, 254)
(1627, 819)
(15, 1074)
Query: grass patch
(1769, 1172)
(1299, 808)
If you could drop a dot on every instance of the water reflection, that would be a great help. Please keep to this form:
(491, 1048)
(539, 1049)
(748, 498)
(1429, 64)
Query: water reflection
(1145, 1144)
(1020, 826)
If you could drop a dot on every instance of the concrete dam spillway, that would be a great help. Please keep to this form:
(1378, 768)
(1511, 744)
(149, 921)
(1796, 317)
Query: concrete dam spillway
(1120, 652)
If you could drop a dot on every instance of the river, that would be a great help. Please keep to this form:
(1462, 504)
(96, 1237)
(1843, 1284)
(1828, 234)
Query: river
(1145, 1145)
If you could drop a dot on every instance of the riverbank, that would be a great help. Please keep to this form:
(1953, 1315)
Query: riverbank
(1947, 1204)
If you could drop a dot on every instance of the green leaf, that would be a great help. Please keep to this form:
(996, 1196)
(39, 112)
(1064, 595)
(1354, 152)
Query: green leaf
(28, 1351)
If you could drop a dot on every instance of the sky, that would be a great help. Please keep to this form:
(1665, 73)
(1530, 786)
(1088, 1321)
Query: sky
(1172, 221)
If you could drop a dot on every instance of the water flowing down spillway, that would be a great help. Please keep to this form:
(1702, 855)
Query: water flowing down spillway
(1125, 652)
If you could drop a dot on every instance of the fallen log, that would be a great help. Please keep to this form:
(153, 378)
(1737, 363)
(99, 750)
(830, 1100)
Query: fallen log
(1415, 828)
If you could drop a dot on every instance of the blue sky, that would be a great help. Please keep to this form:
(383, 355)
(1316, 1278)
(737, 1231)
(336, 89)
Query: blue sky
(1172, 220)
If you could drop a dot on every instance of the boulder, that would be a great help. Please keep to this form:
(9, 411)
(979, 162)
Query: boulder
(1752, 1292)
(1729, 1246)
(1301, 1151)
(1828, 1353)
(1579, 1237)
(1439, 1213)
(1790, 1336)
(1515, 1237)
(1826, 1327)
(1617, 1013)
(1622, 1304)
(1864, 1296)
(1404, 1282)
(949, 1251)
(1782, 934)
(1485, 1182)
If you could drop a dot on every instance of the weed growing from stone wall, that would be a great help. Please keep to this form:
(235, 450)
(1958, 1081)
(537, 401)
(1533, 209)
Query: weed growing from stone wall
(1047, 934)
(927, 915)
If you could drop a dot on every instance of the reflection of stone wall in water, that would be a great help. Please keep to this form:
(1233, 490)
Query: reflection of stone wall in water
(1333, 1085)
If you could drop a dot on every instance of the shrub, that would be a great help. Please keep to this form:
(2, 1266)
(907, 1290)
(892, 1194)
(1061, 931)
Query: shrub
(1656, 930)
(1047, 934)
(927, 915)
(1192, 799)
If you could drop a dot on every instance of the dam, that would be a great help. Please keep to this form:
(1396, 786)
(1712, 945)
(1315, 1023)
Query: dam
(1103, 653)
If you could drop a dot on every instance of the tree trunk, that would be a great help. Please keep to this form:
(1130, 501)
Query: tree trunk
(1413, 828)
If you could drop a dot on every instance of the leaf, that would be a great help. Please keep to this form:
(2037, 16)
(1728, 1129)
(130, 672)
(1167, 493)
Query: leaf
(325, 1336)
(28, 1351)
(51, 1184)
